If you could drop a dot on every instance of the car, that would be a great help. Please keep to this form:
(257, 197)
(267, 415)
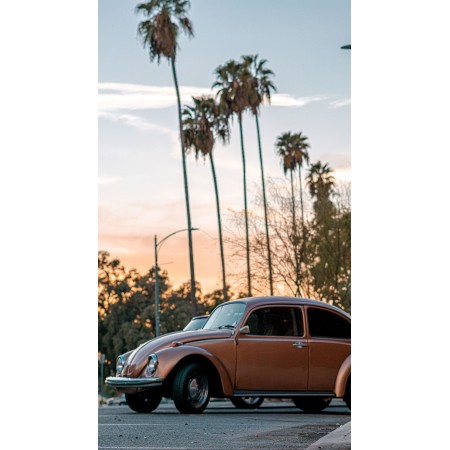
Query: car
(196, 323)
(282, 347)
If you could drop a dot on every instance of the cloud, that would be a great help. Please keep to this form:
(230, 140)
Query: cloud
(142, 124)
(290, 101)
(107, 180)
(340, 103)
(114, 97)
(126, 96)
(135, 122)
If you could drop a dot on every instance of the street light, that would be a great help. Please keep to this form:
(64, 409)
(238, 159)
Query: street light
(157, 247)
(346, 47)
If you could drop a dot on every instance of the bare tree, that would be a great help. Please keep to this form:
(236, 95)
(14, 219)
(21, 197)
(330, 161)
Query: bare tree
(324, 251)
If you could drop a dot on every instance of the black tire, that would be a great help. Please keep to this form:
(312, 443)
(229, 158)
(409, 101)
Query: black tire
(311, 404)
(348, 395)
(247, 402)
(143, 402)
(191, 389)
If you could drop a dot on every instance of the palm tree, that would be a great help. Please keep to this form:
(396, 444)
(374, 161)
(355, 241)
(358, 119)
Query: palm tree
(321, 185)
(202, 125)
(286, 146)
(261, 88)
(301, 156)
(233, 80)
(159, 32)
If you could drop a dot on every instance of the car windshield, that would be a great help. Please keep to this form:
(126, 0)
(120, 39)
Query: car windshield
(226, 316)
(195, 324)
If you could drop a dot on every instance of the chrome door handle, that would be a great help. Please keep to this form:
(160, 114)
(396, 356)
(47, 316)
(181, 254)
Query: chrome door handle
(299, 345)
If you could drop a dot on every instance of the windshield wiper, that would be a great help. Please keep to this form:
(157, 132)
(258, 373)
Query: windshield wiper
(226, 326)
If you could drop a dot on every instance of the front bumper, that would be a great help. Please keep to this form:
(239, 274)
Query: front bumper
(124, 382)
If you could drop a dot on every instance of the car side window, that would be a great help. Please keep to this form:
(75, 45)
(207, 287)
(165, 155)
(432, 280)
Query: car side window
(327, 324)
(276, 321)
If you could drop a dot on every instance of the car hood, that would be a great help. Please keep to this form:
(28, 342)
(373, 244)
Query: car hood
(139, 357)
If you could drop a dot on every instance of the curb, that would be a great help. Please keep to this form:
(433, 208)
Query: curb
(339, 439)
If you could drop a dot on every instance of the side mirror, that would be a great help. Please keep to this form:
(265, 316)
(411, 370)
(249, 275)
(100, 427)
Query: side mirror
(245, 330)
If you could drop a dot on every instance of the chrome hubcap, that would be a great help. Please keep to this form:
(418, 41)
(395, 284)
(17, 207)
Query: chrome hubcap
(250, 400)
(198, 389)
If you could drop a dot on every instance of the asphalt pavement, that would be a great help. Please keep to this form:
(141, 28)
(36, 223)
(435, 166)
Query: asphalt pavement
(275, 425)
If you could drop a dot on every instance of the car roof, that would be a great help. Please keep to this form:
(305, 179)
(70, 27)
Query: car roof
(252, 301)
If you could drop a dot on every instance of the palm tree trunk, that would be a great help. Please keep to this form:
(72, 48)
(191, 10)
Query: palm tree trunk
(337, 221)
(295, 240)
(303, 225)
(269, 256)
(186, 194)
(222, 256)
(249, 282)
(304, 233)
(301, 193)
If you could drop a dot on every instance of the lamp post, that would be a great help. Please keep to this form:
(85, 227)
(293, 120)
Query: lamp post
(157, 247)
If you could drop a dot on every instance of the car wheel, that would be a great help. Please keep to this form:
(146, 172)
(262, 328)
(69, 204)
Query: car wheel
(247, 402)
(143, 402)
(348, 395)
(311, 404)
(191, 389)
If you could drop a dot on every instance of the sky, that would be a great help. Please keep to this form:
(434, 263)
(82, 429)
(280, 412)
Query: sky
(140, 173)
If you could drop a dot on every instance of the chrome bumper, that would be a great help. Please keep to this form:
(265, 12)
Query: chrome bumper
(123, 382)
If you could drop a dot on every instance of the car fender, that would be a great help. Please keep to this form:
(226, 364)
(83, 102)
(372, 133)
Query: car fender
(342, 377)
(168, 358)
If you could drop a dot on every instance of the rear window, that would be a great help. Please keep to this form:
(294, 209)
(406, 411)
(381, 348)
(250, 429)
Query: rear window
(327, 324)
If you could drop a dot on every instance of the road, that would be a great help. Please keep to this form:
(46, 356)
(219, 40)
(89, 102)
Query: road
(275, 425)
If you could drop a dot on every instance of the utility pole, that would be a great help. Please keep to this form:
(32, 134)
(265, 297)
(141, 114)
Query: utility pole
(156, 288)
(157, 247)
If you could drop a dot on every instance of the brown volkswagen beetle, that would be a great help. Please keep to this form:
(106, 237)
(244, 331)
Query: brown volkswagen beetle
(197, 323)
(254, 347)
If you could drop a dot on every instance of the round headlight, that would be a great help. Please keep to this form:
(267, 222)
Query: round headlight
(152, 364)
(120, 363)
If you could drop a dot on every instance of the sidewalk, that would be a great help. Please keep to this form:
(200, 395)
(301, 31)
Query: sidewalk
(338, 439)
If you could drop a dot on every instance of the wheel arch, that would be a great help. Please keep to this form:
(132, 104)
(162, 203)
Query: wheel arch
(217, 375)
(343, 376)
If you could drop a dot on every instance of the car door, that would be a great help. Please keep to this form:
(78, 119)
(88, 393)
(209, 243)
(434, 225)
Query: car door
(329, 345)
(274, 355)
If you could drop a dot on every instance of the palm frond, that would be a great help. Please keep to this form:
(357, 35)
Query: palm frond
(186, 26)
(164, 21)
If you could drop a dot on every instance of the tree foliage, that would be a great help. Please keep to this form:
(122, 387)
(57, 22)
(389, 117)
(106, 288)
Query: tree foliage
(164, 20)
(126, 306)
(129, 318)
(314, 263)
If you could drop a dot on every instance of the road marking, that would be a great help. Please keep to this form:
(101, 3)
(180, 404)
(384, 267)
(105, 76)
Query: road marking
(157, 448)
(166, 424)
(132, 424)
